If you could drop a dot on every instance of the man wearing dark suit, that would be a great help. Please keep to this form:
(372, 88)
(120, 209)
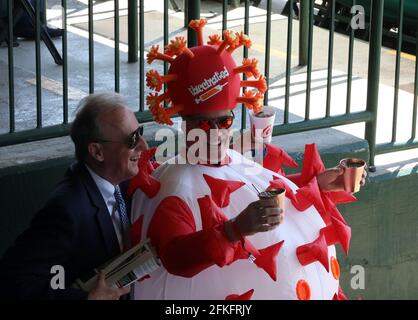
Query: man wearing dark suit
(84, 222)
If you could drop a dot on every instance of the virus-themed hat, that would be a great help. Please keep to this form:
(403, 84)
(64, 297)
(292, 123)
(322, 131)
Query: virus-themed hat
(203, 78)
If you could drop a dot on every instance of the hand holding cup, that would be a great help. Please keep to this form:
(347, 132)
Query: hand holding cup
(354, 174)
(261, 215)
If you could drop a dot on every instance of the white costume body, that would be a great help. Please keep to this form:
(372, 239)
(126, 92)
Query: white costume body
(186, 182)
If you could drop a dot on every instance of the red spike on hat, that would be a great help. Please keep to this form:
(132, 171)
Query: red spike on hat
(243, 40)
(230, 39)
(154, 100)
(249, 67)
(155, 80)
(162, 115)
(251, 100)
(198, 26)
(215, 39)
(176, 47)
(153, 54)
(260, 84)
(203, 78)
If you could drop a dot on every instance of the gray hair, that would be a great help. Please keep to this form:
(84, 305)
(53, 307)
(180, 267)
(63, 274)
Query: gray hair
(85, 128)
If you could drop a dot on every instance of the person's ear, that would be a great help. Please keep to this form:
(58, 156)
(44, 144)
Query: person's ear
(96, 151)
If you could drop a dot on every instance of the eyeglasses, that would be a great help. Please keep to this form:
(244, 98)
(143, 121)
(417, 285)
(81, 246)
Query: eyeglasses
(132, 140)
(224, 122)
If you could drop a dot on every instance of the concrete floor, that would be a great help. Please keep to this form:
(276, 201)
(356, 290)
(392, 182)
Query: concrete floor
(24, 66)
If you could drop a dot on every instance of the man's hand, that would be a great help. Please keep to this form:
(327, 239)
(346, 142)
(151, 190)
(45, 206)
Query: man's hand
(104, 292)
(260, 216)
(332, 179)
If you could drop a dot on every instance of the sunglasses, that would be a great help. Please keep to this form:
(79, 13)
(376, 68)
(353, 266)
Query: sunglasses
(132, 140)
(224, 122)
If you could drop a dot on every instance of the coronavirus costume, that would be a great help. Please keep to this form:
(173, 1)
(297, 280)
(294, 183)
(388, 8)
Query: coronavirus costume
(182, 208)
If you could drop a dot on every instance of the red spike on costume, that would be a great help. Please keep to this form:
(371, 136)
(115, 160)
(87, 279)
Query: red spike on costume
(340, 197)
(243, 40)
(278, 183)
(230, 39)
(136, 230)
(314, 251)
(260, 84)
(249, 67)
(215, 40)
(210, 213)
(245, 296)
(337, 232)
(312, 164)
(176, 47)
(276, 158)
(331, 208)
(153, 54)
(143, 180)
(299, 202)
(198, 25)
(267, 259)
(155, 80)
(251, 100)
(339, 295)
(155, 164)
(311, 192)
(221, 189)
(249, 248)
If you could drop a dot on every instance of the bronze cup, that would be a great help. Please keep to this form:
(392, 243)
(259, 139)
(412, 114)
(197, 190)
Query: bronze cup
(353, 173)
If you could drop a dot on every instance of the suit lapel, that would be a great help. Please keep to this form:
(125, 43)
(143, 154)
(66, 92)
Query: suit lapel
(103, 218)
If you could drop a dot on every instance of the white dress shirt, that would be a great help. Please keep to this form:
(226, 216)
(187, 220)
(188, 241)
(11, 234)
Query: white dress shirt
(107, 190)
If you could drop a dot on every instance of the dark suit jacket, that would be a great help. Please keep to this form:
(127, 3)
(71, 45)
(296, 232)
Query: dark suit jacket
(74, 230)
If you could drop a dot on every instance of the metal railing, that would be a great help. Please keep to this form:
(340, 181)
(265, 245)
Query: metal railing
(136, 49)
(374, 74)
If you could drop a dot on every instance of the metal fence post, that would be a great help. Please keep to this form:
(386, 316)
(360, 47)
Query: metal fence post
(303, 31)
(375, 48)
(132, 30)
(193, 12)
(186, 10)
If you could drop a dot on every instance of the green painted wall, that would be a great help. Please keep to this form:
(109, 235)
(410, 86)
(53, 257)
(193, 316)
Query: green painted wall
(384, 225)
(24, 189)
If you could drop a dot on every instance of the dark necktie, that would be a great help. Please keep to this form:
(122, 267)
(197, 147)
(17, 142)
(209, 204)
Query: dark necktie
(125, 225)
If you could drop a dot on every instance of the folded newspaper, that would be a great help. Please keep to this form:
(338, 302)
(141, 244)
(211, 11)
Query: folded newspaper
(121, 271)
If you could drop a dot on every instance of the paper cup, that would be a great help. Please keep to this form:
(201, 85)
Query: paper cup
(278, 194)
(262, 125)
(353, 173)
